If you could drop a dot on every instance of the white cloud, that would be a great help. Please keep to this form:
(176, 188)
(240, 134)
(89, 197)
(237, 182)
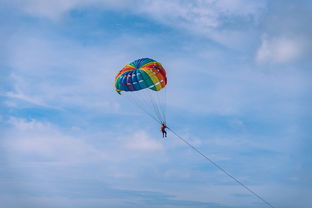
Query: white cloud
(56, 9)
(279, 50)
(178, 13)
(37, 144)
(24, 125)
(198, 17)
(285, 36)
(19, 94)
(141, 141)
(206, 18)
(240, 7)
(31, 137)
(205, 13)
(55, 74)
(51, 146)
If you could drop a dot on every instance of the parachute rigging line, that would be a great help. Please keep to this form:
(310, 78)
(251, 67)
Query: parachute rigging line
(141, 106)
(220, 168)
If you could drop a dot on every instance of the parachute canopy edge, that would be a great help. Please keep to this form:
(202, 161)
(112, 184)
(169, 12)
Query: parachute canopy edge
(141, 74)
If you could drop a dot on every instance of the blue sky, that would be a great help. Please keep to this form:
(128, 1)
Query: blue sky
(239, 89)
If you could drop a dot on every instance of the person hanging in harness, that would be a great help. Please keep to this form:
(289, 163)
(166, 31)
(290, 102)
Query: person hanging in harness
(163, 128)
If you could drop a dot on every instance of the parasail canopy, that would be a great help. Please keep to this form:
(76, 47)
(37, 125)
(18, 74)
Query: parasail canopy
(141, 74)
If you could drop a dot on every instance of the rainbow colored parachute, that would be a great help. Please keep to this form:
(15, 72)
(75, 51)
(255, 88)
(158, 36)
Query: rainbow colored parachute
(144, 78)
(140, 74)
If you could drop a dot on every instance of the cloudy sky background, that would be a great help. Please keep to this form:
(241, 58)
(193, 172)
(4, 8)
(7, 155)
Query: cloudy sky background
(239, 90)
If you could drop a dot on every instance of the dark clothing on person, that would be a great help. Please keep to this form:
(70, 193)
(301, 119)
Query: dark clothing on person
(163, 130)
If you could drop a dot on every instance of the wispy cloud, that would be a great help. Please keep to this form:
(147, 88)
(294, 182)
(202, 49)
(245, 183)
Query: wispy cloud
(43, 140)
(55, 10)
(29, 139)
(204, 18)
(279, 50)
(285, 38)
(47, 74)
(140, 141)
